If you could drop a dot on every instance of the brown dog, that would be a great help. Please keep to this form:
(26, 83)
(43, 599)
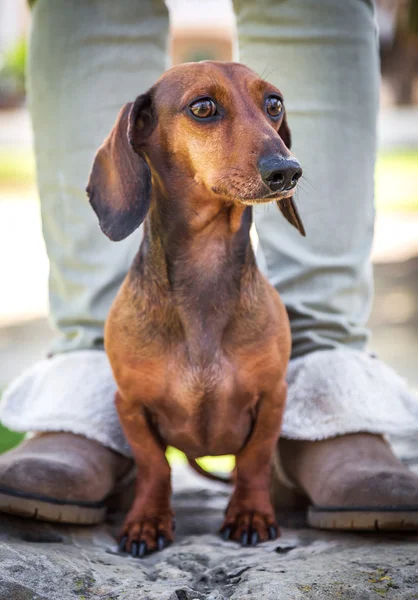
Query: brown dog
(198, 340)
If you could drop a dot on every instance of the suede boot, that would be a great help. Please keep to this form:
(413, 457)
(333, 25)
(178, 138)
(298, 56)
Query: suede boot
(62, 477)
(352, 481)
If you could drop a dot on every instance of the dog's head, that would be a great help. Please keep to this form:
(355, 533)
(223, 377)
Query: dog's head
(211, 130)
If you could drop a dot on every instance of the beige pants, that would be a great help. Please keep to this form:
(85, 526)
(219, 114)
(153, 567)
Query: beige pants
(87, 58)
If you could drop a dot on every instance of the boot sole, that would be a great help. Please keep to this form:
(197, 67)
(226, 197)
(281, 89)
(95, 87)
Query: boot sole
(364, 519)
(49, 509)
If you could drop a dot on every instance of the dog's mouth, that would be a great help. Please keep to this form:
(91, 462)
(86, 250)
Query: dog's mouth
(250, 191)
(272, 197)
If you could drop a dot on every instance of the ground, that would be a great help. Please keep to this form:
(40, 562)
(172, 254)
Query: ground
(43, 562)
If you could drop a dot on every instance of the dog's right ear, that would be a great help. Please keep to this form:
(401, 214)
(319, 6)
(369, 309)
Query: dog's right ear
(119, 187)
(287, 206)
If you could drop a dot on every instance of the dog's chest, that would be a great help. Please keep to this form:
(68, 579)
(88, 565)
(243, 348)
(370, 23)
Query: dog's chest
(198, 369)
(207, 410)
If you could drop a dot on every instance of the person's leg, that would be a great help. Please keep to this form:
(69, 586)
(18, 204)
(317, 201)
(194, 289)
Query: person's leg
(323, 55)
(87, 58)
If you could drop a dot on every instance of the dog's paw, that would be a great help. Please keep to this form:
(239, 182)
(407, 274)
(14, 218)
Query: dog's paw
(249, 528)
(141, 535)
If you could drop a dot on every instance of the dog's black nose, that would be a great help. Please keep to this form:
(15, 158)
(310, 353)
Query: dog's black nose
(279, 173)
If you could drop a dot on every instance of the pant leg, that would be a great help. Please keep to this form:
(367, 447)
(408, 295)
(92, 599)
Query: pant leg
(87, 58)
(323, 56)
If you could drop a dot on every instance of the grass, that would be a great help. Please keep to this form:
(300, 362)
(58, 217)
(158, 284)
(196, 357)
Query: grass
(219, 464)
(396, 180)
(17, 167)
(8, 439)
(396, 177)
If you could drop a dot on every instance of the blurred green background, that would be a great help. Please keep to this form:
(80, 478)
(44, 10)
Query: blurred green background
(8, 439)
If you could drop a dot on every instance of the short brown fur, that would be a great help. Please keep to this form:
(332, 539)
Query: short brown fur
(198, 339)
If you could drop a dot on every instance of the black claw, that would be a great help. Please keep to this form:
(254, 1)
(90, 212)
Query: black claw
(244, 539)
(272, 533)
(254, 538)
(226, 533)
(142, 549)
(134, 549)
(122, 543)
(160, 543)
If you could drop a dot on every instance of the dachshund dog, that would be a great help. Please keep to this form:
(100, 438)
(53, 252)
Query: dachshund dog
(197, 338)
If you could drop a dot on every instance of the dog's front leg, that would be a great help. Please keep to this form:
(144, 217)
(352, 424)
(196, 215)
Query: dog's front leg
(250, 516)
(149, 524)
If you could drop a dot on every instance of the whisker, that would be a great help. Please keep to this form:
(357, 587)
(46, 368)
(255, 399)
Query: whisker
(305, 179)
(273, 70)
(262, 76)
(307, 197)
(308, 189)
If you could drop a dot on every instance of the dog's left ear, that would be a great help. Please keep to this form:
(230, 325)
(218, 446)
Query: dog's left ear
(287, 206)
(119, 187)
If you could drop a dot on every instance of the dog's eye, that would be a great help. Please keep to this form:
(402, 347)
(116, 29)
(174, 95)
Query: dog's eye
(274, 106)
(203, 108)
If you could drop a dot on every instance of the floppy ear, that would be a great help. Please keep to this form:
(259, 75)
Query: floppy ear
(287, 206)
(119, 187)
(290, 212)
